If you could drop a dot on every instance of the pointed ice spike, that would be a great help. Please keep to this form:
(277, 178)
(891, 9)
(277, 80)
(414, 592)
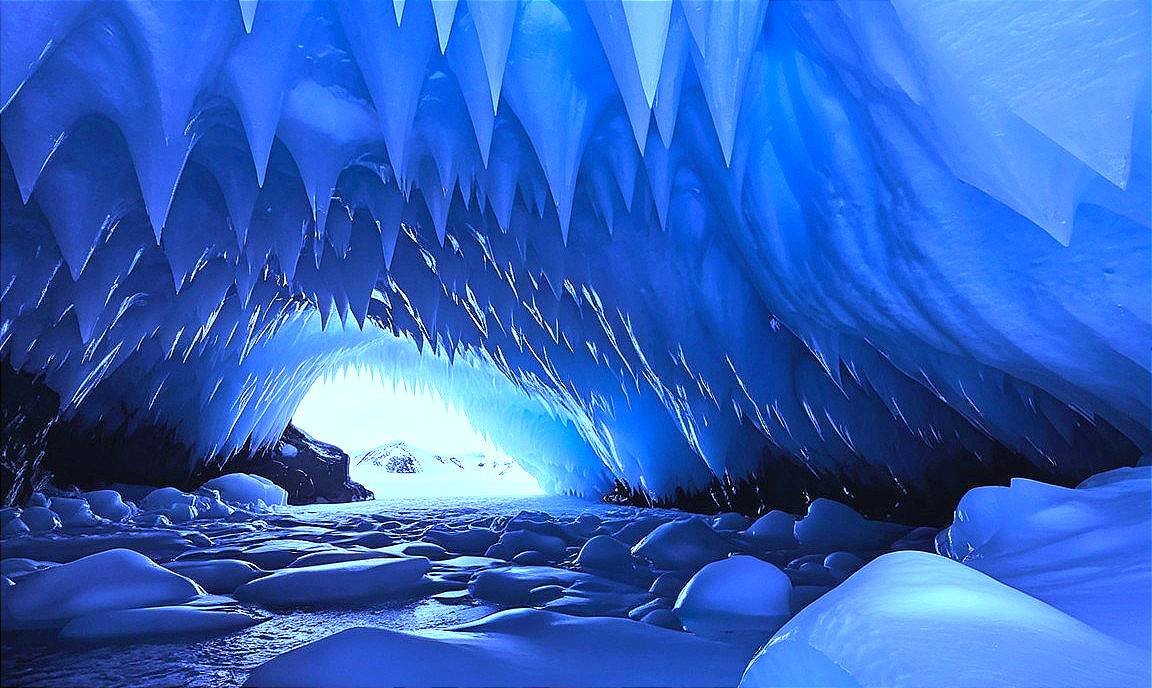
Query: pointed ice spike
(445, 12)
(668, 88)
(398, 9)
(467, 63)
(255, 75)
(394, 76)
(697, 13)
(733, 29)
(612, 27)
(648, 26)
(248, 13)
(494, 21)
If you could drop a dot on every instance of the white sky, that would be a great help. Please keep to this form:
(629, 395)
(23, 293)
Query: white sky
(357, 413)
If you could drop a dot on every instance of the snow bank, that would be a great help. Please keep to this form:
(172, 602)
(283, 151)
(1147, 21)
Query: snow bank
(519, 647)
(1084, 551)
(918, 619)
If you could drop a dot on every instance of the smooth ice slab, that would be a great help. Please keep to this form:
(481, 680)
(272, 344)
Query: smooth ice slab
(519, 647)
(919, 619)
(339, 583)
(155, 624)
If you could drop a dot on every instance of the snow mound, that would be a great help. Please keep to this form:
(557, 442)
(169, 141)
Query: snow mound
(109, 504)
(111, 580)
(217, 576)
(918, 619)
(773, 530)
(741, 596)
(682, 545)
(519, 647)
(245, 488)
(830, 526)
(335, 584)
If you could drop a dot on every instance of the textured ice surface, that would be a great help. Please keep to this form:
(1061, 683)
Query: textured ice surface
(659, 240)
(919, 619)
(519, 647)
(1085, 551)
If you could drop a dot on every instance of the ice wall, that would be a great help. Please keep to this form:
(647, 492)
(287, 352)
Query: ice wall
(888, 242)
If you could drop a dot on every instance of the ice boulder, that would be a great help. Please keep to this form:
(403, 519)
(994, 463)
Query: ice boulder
(773, 530)
(180, 513)
(335, 584)
(1085, 551)
(740, 597)
(605, 554)
(917, 619)
(41, 519)
(730, 521)
(830, 526)
(38, 499)
(164, 498)
(244, 488)
(113, 579)
(74, 512)
(218, 576)
(518, 647)
(155, 623)
(684, 545)
(108, 504)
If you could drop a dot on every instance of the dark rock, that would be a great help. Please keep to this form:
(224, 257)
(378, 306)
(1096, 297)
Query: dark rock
(312, 471)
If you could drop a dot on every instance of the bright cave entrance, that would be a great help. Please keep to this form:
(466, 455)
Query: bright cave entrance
(405, 441)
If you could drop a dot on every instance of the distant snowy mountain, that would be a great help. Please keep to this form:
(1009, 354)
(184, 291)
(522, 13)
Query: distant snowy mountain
(401, 457)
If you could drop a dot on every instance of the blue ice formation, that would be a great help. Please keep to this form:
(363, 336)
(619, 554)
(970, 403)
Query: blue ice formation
(653, 241)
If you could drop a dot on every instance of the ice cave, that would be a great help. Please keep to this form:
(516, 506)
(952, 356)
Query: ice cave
(808, 343)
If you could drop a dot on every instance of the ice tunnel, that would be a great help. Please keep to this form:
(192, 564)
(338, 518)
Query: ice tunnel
(748, 250)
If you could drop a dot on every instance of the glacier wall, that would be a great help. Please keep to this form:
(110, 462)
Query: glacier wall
(668, 242)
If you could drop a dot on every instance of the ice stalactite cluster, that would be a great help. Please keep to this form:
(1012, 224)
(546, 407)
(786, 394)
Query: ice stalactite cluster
(884, 241)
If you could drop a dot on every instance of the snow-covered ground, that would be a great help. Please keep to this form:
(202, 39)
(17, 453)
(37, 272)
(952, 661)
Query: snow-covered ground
(400, 469)
(1033, 585)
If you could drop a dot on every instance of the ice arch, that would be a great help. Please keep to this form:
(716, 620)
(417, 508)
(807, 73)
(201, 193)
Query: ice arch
(894, 246)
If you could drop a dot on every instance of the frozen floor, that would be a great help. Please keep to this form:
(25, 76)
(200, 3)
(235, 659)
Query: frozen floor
(1046, 586)
(39, 659)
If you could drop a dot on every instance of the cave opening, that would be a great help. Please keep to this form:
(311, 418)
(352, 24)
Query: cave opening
(404, 439)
